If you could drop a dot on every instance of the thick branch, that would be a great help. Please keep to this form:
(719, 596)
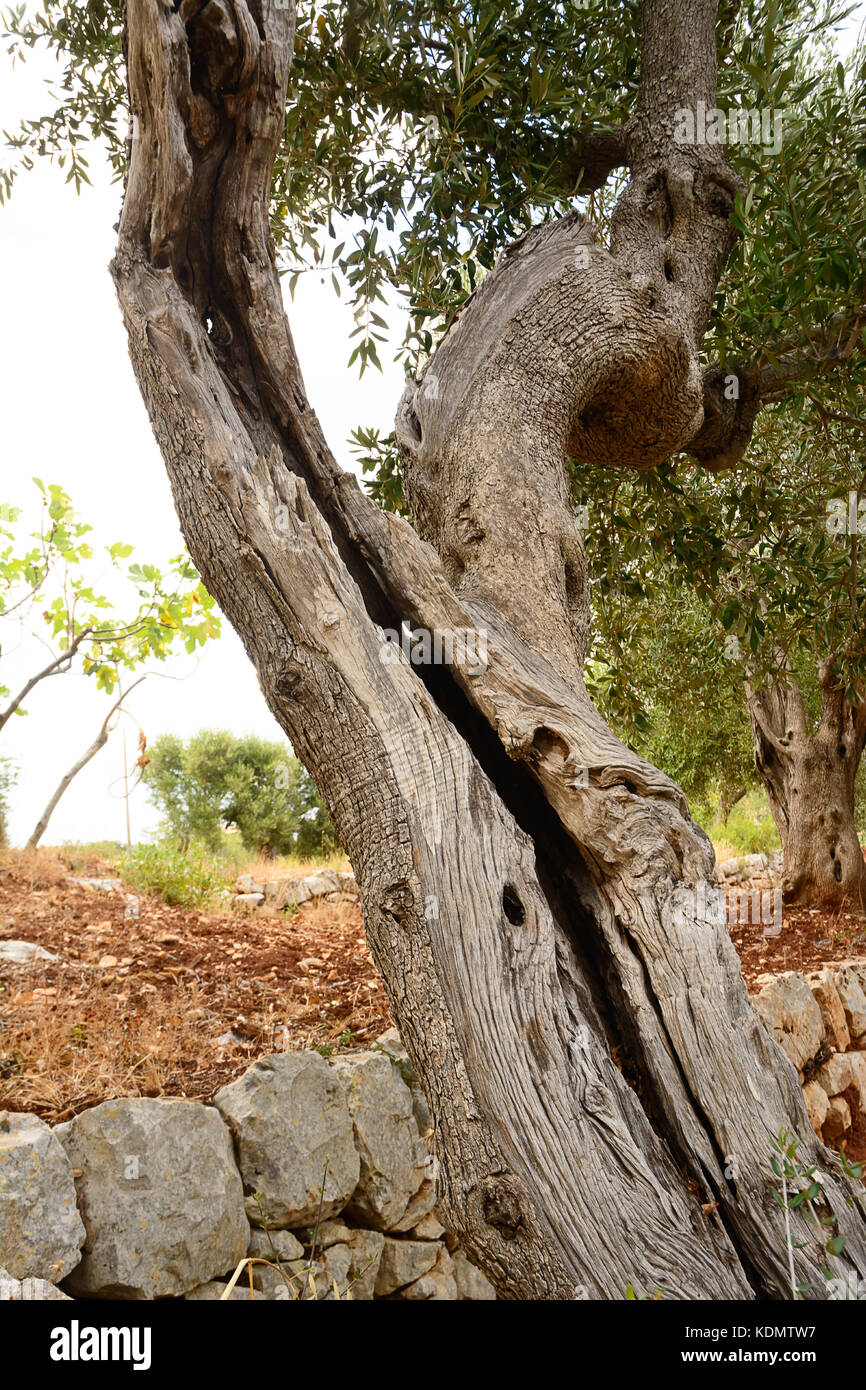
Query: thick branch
(730, 414)
(591, 157)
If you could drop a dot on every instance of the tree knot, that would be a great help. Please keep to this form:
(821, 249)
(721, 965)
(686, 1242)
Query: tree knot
(501, 1202)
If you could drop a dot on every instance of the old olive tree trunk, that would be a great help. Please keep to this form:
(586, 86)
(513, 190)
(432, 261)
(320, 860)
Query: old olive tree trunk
(595, 1071)
(809, 769)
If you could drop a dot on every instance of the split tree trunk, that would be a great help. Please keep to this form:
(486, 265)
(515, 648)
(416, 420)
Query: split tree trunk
(593, 1065)
(809, 775)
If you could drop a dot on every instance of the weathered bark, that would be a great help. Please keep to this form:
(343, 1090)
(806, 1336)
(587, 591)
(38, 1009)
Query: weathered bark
(809, 774)
(78, 766)
(593, 1065)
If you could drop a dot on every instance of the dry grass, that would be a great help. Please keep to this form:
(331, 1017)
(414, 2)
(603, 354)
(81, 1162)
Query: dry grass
(70, 1055)
(37, 868)
(725, 850)
(169, 1000)
(292, 865)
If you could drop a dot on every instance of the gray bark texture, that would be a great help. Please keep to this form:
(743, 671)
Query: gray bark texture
(595, 1071)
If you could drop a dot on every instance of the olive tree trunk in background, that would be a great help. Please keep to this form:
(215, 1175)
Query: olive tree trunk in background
(809, 774)
(597, 1077)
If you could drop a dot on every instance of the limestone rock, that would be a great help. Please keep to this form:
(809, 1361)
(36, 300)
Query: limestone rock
(420, 1206)
(366, 1248)
(403, 1262)
(344, 1254)
(823, 986)
(393, 1154)
(853, 1002)
(213, 1290)
(41, 1232)
(428, 1228)
(282, 892)
(249, 900)
(22, 952)
(437, 1286)
(790, 1012)
(835, 1075)
(289, 1114)
(352, 1259)
(279, 1287)
(338, 1266)
(312, 1281)
(817, 1104)
(744, 867)
(161, 1198)
(838, 1120)
(471, 1283)
(248, 883)
(332, 1233)
(29, 1290)
(294, 1283)
(274, 1245)
(391, 1043)
(857, 1063)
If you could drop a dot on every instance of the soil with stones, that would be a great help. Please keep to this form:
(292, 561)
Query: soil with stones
(172, 1002)
(177, 1001)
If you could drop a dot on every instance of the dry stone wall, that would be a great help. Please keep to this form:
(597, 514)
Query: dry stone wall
(321, 1172)
(820, 1021)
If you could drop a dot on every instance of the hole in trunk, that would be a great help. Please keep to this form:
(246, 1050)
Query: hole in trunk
(547, 743)
(512, 906)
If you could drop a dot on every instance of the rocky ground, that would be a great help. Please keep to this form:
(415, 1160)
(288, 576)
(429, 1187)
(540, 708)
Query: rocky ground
(809, 940)
(171, 1001)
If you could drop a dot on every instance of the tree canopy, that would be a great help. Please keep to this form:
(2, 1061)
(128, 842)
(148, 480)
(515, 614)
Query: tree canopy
(217, 781)
(424, 135)
(48, 585)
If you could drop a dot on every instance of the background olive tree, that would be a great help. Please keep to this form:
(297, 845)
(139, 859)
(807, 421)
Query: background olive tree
(217, 781)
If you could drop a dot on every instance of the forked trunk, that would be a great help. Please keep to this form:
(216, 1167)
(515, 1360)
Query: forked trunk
(809, 775)
(597, 1077)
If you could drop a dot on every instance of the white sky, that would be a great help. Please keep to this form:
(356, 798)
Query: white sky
(72, 415)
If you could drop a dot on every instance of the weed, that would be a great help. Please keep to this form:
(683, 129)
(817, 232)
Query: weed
(189, 878)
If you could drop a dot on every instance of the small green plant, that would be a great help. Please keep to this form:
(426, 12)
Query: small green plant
(749, 829)
(800, 1190)
(188, 878)
(633, 1297)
